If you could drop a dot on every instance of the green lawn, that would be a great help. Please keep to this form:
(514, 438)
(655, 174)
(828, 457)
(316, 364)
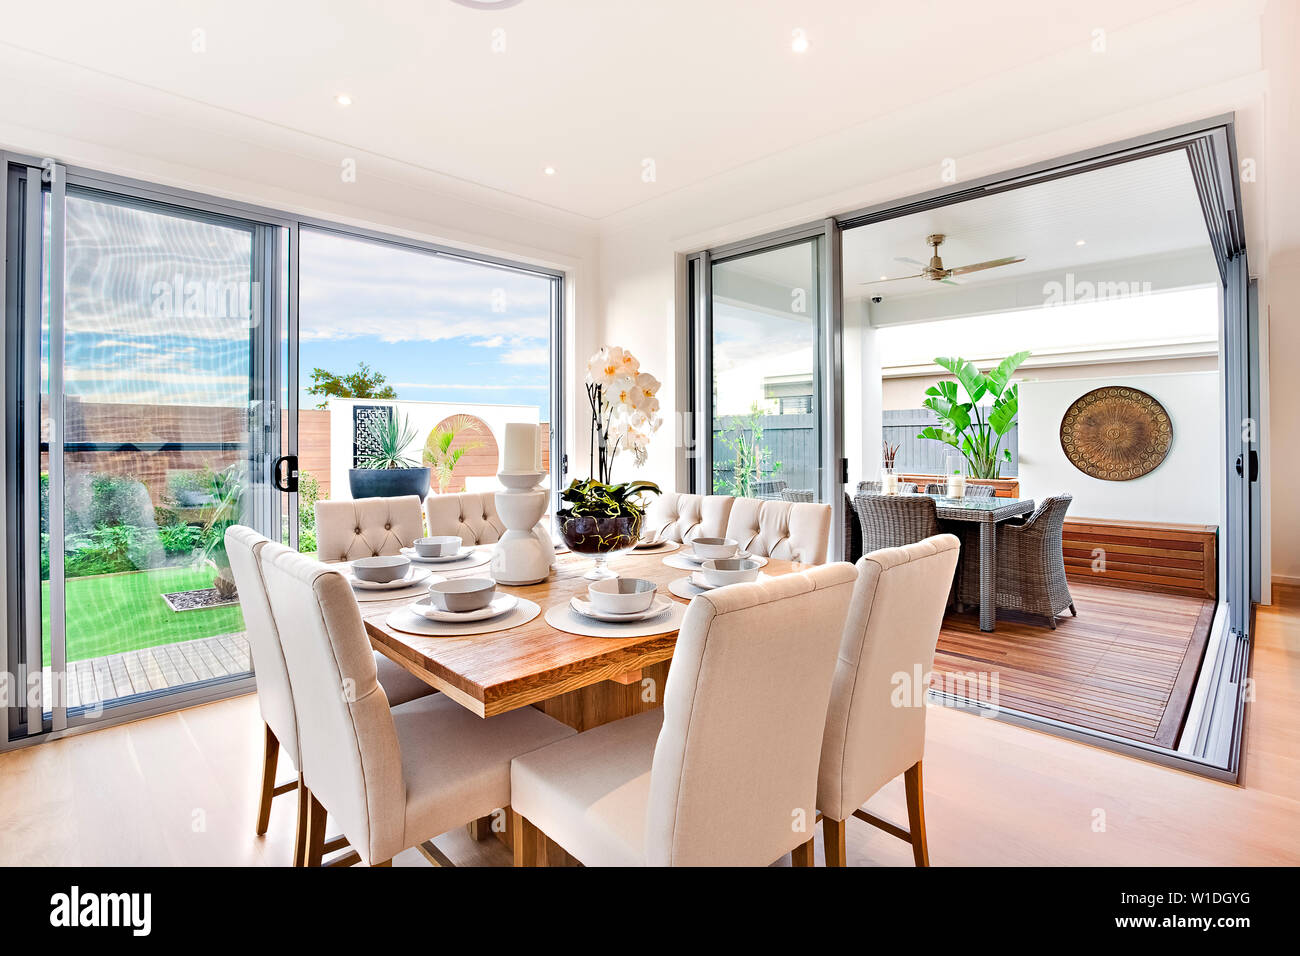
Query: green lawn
(112, 613)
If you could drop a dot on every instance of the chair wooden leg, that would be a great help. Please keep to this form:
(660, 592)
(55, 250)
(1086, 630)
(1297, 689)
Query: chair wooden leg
(803, 855)
(480, 829)
(833, 838)
(300, 832)
(384, 863)
(315, 831)
(916, 814)
(525, 840)
(270, 760)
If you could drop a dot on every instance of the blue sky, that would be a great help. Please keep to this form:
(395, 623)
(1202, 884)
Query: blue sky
(440, 329)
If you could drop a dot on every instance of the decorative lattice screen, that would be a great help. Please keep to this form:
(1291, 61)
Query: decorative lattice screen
(365, 418)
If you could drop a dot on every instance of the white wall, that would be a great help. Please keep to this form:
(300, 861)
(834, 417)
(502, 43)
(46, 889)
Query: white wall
(1184, 489)
(1203, 60)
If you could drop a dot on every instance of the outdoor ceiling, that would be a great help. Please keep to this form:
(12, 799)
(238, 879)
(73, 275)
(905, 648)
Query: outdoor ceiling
(1126, 212)
(598, 90)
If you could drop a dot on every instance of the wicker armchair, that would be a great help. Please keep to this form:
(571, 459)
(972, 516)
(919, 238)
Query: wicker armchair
(770, 488)
(972, 491)
(1030, 564)
(891, 521)
(791, 495)
(853, 527)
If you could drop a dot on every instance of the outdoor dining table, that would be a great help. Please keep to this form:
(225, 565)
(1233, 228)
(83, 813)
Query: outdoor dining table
(988, 513)
(581, 681)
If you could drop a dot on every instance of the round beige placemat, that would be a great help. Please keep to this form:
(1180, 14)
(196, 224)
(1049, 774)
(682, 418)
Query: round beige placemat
(662, 548)
(683, 588)
(395, 594)
(409, 622)
(478, 558)
(683, 563)
(562, 617)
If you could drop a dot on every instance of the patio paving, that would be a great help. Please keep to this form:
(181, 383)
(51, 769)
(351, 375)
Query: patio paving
(110, 678)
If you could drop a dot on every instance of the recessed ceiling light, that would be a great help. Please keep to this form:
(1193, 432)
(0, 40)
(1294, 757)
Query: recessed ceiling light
(549, 170)
(343, 99)
(883, 278)
(487, 4)
(799, 41)
(1081, 242)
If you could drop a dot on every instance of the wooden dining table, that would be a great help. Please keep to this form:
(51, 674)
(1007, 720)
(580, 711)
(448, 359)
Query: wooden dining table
(581, 681)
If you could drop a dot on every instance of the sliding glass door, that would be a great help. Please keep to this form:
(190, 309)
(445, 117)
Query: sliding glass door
(451, 347)
(141, 360)
(766, 340)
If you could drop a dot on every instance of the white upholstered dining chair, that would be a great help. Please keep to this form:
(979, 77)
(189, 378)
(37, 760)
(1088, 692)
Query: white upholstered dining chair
(391, 777)
(366, 527)
(871, 734)
(788, 531)
(683, 518)
(726, 772)
(471, 515)
(244, 546)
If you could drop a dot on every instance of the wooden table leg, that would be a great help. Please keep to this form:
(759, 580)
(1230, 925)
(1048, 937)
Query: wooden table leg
(480, 829)
(988, 575)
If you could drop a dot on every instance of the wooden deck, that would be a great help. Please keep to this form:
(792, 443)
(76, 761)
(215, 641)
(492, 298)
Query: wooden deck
(103, 679)
(1126, 665)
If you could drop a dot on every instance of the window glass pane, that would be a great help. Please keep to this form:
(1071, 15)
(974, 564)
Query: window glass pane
(454, 347)
(766, 401)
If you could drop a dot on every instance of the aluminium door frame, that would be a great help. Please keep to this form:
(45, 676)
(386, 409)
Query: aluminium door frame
(1214, 168)
(828, 371)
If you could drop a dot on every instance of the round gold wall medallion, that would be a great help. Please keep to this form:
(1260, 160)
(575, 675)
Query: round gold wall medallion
(1116, 433)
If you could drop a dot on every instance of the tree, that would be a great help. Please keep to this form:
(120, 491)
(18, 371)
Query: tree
(363, 383)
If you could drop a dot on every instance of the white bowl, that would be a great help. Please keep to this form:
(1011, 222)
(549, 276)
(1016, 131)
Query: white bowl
(622, 595)
(723, 571)
(381, 569)
(462, 594)
(436, 546)
(714, 547)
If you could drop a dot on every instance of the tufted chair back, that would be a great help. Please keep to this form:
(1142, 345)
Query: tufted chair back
(471, 515)
(365, 527)
(790, 531)
(686, 517)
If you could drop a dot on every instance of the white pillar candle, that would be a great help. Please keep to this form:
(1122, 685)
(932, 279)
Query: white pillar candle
(956, 486)
(889, 483)
(522, 448)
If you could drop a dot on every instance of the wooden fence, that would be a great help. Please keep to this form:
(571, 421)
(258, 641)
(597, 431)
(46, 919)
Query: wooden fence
(791, 441)
(900, 426)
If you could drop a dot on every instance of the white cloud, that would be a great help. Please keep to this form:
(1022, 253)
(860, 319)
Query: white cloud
(478, 386)
(540, 356)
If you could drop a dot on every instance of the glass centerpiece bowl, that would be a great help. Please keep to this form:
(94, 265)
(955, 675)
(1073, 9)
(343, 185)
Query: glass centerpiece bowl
(602, 520)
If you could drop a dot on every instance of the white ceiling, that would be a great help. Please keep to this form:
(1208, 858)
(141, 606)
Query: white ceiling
(1139, 209)
(591, 87)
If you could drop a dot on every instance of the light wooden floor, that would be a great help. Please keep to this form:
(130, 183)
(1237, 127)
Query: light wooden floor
(1125, 665)
(179, 789)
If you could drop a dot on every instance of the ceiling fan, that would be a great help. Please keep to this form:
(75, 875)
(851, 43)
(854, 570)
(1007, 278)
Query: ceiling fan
(935, 270)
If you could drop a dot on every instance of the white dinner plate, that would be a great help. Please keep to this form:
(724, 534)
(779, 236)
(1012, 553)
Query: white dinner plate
(694, 558)
(587, 609)
(697, 579)
(413, 577)
(501, 604)
(464, 552)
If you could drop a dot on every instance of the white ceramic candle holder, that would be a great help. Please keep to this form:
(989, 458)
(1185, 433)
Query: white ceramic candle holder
(523, 555)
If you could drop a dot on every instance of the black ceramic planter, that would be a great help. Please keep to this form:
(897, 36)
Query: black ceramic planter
(388, 482)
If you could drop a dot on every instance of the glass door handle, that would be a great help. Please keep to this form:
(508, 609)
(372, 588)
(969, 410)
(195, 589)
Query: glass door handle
(289, 484)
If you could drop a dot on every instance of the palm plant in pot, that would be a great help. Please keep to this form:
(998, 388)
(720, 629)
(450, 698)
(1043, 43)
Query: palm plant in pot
(386, 471)
(598, 517)
(975, 431)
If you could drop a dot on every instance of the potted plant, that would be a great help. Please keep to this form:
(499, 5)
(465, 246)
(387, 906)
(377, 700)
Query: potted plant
(387, 472)
(226, 489)
(439, 453)
(598, 517)
(965, 425)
